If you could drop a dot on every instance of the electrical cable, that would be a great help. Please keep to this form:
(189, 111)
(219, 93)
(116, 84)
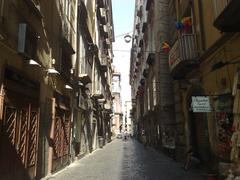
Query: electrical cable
(120, 35)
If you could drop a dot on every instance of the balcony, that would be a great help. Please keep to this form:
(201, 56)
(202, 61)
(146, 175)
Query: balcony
(227, 15)
(151, 58)
(101, 3)
(85, 79)
(104, 31)
(144, 27)
(103, 64)
(103, 16)
(145, 73)
(183, 56)
(108, 107)
(139, 12)
(97, 95)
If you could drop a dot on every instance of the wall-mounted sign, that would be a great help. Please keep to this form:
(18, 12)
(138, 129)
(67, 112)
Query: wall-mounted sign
(201, 104)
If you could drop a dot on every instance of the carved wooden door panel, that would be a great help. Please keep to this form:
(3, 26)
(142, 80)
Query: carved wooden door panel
(22, 135)
(19, 140)
(9, 123)
(61, 134)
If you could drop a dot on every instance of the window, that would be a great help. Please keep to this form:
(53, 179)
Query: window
(154, 92)
(27, 41)
(82, 56)
(66, 65)
(148, 99)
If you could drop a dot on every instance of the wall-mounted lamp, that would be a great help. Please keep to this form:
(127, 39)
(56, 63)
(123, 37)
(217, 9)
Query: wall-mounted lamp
(80, 83)
(68, 87)
(34, 63)
(52, 71)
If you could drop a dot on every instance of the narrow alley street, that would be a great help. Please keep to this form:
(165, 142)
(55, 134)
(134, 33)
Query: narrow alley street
(126, 160)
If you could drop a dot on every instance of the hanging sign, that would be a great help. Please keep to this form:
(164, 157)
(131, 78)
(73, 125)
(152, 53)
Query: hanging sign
(201, 104)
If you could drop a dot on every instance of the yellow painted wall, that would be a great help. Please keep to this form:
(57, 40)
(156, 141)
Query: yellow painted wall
(211, 33)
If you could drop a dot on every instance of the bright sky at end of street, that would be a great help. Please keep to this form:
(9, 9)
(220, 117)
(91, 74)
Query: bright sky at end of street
(123, 17)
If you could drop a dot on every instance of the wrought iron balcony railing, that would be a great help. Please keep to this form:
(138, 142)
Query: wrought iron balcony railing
(183, 55)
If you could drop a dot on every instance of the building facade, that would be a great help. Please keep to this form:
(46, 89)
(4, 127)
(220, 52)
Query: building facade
(117, 120)
(50, 108)
(198, 40)
(204, 63)
(152, 85)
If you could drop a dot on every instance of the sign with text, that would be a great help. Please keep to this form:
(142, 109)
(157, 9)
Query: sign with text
(201, 104)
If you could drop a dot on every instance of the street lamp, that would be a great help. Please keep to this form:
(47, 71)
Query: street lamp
(127, 38)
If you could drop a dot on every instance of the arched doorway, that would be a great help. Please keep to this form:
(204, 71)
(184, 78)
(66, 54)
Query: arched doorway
(198, 128)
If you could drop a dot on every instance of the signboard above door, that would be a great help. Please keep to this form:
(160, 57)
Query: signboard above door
(201, 104)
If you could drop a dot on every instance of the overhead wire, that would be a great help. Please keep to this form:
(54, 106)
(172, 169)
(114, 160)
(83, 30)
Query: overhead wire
(127, 33)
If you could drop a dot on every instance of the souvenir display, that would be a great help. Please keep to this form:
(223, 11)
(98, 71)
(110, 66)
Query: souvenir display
(224, 119)
(165, 47)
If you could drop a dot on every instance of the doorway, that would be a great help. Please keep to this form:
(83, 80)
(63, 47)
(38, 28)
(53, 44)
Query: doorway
(19, 127)
(198, 130)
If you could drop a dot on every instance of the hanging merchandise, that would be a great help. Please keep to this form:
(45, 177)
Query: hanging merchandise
(184, 25)
(186, 21)
(165, 47)
(225, 125)
(235, 142)
(178, 25)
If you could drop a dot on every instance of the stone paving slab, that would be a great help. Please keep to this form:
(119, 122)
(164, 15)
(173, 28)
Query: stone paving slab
(126, 160)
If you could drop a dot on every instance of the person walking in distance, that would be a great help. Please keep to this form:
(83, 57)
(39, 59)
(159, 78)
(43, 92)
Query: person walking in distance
(189, 154)
(144, 139)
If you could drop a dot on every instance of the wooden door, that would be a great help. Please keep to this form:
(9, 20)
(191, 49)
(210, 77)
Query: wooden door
(61, 139)
(19, 141)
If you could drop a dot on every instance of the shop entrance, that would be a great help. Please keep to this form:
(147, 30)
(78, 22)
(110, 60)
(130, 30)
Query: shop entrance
(61, 135)
(198, 128)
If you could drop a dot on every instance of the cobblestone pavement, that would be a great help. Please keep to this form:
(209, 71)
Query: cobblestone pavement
(126, 160)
